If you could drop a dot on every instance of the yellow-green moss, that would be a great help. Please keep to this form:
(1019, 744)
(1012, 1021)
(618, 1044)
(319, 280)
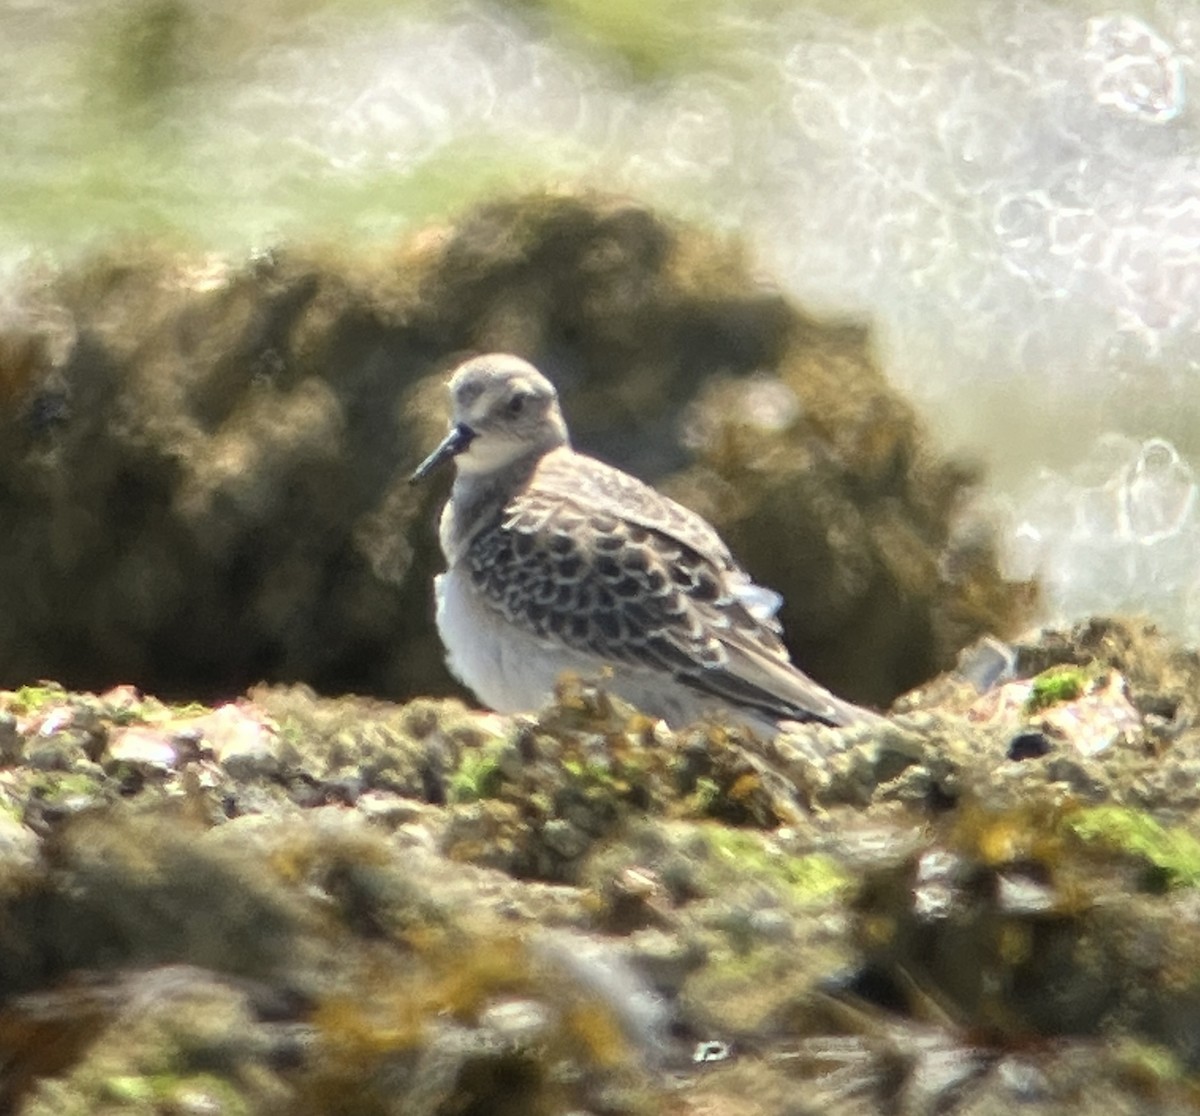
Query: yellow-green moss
(615, 778)
(1174, 853)
(1059, 683)
(168, 1092)
(58, 786)
(189, 709)
(479, 775)
(31, 699)
(1149, 1063)
(812, 878)
(703, 799)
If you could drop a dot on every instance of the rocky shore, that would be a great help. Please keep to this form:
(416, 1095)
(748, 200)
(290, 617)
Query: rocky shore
(290, 903)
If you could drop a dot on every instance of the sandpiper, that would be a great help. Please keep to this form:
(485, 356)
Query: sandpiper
(557, 562)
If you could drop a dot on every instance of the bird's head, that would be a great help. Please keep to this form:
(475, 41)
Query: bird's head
(504, 411)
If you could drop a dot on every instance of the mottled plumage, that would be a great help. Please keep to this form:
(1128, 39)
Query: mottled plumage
(559, 562)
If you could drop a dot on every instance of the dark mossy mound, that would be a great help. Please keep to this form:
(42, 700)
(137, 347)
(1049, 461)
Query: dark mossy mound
(202, 468)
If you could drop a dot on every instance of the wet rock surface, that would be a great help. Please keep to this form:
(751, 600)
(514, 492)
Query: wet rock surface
(289, 903)
(203, 462)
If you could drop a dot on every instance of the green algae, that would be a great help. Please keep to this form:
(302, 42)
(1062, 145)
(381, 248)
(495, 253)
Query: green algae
(62, 786)
(706, 796)
(188, 709)
(804, 880)
(1149, 1062)
(1173, 853)
(479, 775)
(160, 1092)
(130, 1088)
(618, 778)
(1058, 684)
(34, 698)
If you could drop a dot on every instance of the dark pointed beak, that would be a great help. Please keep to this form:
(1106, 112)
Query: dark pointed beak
(453, 444)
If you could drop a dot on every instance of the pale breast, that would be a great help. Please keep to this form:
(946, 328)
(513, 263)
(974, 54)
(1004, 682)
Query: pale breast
(509, 670)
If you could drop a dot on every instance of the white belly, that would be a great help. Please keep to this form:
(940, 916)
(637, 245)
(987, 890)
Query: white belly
(509, 670)
(512, 671)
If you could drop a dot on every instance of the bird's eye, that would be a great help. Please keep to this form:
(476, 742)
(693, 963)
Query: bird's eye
(517, 403)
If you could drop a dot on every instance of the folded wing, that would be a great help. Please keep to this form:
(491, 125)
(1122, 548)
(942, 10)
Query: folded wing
(597, 560)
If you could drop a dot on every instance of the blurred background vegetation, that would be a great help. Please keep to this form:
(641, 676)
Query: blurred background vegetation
(1006, 193)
